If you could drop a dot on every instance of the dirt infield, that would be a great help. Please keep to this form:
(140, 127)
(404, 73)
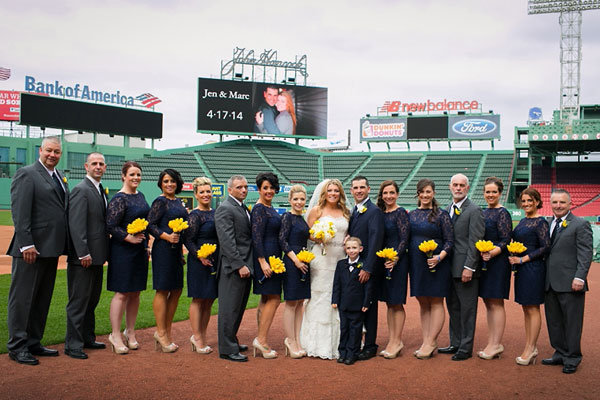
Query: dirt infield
(148, 374)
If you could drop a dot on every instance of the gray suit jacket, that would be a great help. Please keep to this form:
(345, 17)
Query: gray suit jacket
(570, 254)
(87, 223)
(235, 237)
(469, 227)
(39, 214)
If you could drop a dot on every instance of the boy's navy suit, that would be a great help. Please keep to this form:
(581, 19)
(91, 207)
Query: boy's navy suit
(350, 296)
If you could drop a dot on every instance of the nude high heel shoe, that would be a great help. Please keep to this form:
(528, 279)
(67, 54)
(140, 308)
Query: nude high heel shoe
(289, 351)
(200, 350)
(116, 348)
(170, 348)
(497, 354)
(266, 352)
(527, 361)
(132, 345)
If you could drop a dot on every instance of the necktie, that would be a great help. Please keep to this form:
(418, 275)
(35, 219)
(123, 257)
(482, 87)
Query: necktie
(555, 230)
(246, 210)
(59, 186)
(102, 193)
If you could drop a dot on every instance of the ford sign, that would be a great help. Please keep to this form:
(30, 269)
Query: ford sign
(474, 127)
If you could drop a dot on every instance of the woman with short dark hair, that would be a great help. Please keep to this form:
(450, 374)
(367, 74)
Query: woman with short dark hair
(167, 257)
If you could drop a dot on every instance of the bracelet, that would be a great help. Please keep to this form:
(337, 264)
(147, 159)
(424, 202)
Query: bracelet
(439, 259)
(520, 260)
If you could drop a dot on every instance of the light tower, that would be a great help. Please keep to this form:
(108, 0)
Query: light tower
(570, 48)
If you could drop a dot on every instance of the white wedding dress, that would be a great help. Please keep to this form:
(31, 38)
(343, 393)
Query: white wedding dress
(320, 331)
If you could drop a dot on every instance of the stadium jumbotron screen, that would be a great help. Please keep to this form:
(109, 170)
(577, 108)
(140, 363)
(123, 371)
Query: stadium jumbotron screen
(228, 106)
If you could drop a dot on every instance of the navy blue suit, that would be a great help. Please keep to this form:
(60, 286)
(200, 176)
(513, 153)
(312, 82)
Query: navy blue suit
(369, 227)
(350, 296)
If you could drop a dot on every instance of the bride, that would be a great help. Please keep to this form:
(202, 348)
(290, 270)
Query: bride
(320, 331)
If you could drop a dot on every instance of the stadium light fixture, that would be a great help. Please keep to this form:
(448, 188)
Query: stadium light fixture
(570, 48)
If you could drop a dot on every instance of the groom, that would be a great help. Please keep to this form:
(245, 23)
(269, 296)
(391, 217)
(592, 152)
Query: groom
(367, 224)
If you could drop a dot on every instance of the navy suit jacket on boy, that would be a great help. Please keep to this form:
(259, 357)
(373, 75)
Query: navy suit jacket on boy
(369, 227)
(348, 293)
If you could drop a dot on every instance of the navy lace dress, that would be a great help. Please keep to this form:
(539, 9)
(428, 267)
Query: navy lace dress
(167, 259)
(397, 232)
(201, 283)
(530, 277)
(127, 262)
(423, 282)
(265, 242)
(494, 282)
(293, 236)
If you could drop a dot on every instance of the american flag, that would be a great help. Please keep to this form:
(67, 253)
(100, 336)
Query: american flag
(148, 99)
(4, 73)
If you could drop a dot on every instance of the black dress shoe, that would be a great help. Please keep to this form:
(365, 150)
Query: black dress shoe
(76, 354)
(234, 357)
(243, 347)
(460, 356)
(341, 360)
(350, 360)
(23, 357)
(94, 345)
(551, 361)
(448, 350)
(44, 352)
(365, 355)
(569, 369)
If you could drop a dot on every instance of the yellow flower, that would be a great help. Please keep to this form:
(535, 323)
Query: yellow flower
(277, 266)
(305, 256)
(65, 179)
(359, 266)
(428, 247)
(515, 247)
(178, 225)
(388, 253)
(564, 223)
(362, 209)
(457, 211)
(206, 250)
(484, 245)
(138, 225)
(106, 191)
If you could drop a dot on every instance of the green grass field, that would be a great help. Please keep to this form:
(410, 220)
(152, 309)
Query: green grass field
(56, 324)
(6, 218)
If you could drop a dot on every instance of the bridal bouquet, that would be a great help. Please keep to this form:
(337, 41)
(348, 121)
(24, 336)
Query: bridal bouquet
(138, 225)
(515, 248)
(277, 266)
(205, 251)
(324, 231)
(306, 257)
(389, 254)
(428, 247)
(177, 225)
(484, 246)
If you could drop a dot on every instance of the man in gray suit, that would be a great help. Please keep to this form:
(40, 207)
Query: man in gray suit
(567, 267)
(469, 227)
(39, 198)
(232, 221)
(87, 225)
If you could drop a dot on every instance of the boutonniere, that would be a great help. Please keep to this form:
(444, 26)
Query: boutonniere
(65, 179)
(564, 224)
(362, 209)
(106, 191)
(457, 211)
(359, 265)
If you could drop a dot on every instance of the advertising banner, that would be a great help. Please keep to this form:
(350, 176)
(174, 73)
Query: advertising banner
(474, 127)
(382, 129)
(230, 106)
(10, 103)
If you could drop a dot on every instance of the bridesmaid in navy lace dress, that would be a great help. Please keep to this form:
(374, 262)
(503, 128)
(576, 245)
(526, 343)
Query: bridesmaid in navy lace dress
(128, 262)
(167, 257)
(428, 222)
(265, 241)
(201, 273)
(293, 237)
(530, 276)
(393, 290)
(494, 281)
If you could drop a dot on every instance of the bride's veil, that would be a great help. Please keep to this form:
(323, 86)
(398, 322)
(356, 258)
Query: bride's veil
(314, 200)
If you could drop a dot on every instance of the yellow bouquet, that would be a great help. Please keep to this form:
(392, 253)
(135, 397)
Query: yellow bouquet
(324, 231)
(206, 250)
(484, 246)
(178, 225)
(389, 254)
(277, 266)
(138, 225)
(428, 247)
(306, 257)
(515, 248)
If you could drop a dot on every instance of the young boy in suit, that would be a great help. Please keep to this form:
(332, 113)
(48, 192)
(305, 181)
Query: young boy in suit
(352, 299)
